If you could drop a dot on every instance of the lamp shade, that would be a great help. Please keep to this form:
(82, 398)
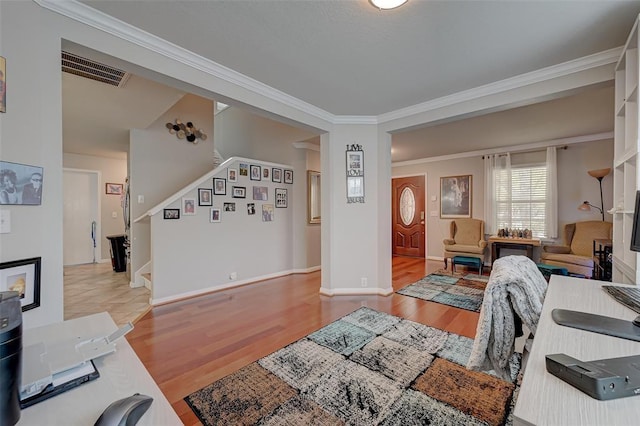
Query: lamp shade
(585, 207)
(599, 173)
(387, 4)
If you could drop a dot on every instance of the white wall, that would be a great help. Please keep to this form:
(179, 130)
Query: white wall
(112, 171)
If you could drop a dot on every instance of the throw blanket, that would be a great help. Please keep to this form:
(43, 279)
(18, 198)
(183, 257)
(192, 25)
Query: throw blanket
(516, 284)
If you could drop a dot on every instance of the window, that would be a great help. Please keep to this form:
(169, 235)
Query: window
(520, 198)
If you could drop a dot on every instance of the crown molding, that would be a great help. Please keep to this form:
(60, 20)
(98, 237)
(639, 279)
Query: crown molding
(560, 70)
(306, 145)
(355, 119)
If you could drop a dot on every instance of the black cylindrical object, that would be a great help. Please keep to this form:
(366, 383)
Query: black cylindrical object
(10, 357)
(118, 255)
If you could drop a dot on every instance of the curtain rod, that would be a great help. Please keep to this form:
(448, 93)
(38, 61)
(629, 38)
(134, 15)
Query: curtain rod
(531, 150)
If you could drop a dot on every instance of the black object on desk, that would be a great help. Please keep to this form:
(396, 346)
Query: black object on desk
(126, 411)
(597, 324)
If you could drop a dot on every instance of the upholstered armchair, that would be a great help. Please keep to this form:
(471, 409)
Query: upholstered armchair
(576, 255)
(466, 239)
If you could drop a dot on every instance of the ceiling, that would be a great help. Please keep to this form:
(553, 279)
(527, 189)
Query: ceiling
(348, 58)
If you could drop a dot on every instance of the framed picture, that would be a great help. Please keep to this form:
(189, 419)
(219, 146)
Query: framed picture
(113, 188)
(288, 176)
(260, 193)
(22, 276)
(214, 215)
(239, 192)
(3, 84)
(256, 172)
(188, 206)
(355, 162)
(229, 207)
(232, 175)
(244, 169)
(267, 212)
(205, 197)
(281, 198)
(171, 213)
(251, 208)
(265, 173)
(276, 175)
(455, 196)
(20, 184)
(219, 186)
(355, 187)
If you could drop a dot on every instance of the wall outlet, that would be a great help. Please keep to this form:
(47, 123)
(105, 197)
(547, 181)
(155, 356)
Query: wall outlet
(233, 275)
(140, 199)
(363, 281)
(114, 214)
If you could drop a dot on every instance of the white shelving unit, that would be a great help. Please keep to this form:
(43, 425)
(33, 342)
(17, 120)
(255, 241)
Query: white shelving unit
(626, 176)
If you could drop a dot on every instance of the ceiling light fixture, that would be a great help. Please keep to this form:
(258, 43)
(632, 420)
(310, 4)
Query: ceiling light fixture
(186, 131)
(387, 4)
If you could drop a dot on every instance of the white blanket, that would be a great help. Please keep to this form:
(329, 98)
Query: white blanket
(516, 284)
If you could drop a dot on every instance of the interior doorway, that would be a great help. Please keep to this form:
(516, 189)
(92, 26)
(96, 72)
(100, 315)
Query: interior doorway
(81, 216)
(408, 216)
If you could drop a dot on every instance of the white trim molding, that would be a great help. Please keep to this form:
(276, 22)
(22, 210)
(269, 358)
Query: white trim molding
(356, 291)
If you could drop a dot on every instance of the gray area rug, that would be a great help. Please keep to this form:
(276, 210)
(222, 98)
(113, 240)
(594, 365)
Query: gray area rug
(367, 368)
(463, 291)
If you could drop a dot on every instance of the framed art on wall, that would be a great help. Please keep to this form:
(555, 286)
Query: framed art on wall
(455, 196)
(20, 184)
(276, 175)
(188, 206)
(113, 188)
(219, 186)
(288, 176)
(255, 172)
(214, 215)
(260, 193)
(171, 213)
(232, 175)
(204, 197)
(281, 198)
(244, 169)
(238, 192)
(22, 276)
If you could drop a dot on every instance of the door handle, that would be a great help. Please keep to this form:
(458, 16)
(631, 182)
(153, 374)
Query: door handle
(422, 222)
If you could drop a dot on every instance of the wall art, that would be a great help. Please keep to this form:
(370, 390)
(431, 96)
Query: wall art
(455, 196)
(171, 213)
(205, 197)
(22, 276)
(20, 184)
(355, 173)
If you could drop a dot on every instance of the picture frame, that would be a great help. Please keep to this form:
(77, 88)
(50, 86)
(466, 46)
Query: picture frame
(355, 163)
(255, 172)
(3, 84)
(239, 192)
(244, 169)
(260, 193)
(214, 215)
(455, 196)
(219, 186)
(267, 212)
(113, 188)
(22, 276)
(205, 197)
(232, 175)
(251, 209)
(229, 207)
(355, 187)
(188, 206)
(355, 173)
(21, 184)
(171, 214)
(265, 173)
(276, 175)
(281, 198)
(288, 176)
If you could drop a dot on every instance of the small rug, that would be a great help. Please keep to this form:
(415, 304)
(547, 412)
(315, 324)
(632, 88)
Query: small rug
(463, 291)
(367, 368)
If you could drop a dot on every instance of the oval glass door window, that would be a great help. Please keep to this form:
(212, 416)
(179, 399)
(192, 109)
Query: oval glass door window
(407, 206)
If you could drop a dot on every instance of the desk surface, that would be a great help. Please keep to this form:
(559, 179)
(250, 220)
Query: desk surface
(121, 374)
(544, 399)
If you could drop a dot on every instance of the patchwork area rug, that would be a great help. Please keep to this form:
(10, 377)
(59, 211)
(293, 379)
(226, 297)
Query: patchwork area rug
(367, 368)
(463, 291)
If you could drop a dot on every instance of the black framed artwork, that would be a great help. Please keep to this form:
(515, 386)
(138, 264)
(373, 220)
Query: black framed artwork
(23, 277)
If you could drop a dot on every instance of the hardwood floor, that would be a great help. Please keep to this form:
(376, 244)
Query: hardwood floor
(186, 345)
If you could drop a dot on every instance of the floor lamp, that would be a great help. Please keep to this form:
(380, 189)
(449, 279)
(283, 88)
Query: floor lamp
(598, 174)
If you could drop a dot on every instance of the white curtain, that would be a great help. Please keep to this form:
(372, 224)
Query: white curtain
(551, 212)
(497, 198)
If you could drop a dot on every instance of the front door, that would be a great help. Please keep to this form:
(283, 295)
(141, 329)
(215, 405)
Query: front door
(408, 216)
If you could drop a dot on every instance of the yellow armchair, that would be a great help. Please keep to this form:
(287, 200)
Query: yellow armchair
(466, 239)
(576, 255)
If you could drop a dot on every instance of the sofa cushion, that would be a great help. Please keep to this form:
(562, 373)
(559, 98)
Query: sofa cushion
(462, 248)
(568, 258)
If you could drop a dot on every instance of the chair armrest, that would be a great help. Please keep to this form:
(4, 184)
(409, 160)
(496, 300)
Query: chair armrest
(482, 243)
(557, 249)
(448, 242)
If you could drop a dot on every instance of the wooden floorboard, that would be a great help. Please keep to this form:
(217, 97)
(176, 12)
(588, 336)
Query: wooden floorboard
(188, 344)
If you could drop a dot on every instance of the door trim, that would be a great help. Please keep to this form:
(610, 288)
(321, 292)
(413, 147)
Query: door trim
(426, 204)
(98, 174)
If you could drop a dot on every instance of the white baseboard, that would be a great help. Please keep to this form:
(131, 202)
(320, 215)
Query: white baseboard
(306, 270)
(440, 258)
(356, 291)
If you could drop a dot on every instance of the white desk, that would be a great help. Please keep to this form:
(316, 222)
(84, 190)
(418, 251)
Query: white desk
(545, 399)
(121, 374)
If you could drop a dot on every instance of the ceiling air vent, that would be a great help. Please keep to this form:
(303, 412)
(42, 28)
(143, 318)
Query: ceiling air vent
(93, 70)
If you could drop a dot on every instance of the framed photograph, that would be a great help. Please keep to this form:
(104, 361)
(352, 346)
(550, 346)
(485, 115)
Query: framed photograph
(244, 169)
(171, 213)
(3, 84)
(260, 193)
(229, 207)
(113, 188)
(267, 212)
(281, 198)
(22, 276)
(276, 175)
(214, 215)
(355, 163)
(265, 173)
(355, 187)
(455, 196)
(219, 186)
(20, 184)
(288, 176)
(205, 197)
(239, 192)
(188, 206)
(256, 172)
(232, 175)
(251, 208)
